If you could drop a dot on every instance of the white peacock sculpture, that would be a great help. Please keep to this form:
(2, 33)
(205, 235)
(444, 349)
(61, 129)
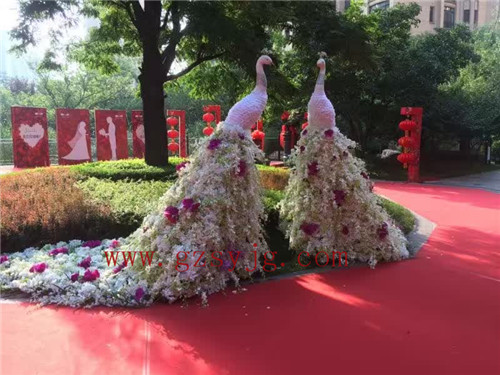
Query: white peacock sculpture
(329, 205)
(205, 231)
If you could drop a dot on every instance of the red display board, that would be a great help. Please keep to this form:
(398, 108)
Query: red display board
(73, 136)
(138, 137)
(30, 137)
(111, 134)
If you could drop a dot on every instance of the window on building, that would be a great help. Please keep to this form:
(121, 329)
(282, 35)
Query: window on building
(466, 18)
(449, 17)
(381, 5)
(476, 8)
(431, 15)
(347, 4)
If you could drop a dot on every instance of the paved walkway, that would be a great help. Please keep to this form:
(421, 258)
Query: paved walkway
(489, 181)
(436, 314)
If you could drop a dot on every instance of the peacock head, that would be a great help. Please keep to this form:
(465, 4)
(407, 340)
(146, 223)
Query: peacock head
(265, 60)
(321, 63)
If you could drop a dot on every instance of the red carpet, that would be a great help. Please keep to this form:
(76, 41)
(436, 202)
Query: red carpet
(437, 314)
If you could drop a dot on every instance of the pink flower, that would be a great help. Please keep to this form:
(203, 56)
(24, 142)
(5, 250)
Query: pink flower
(90, 275)
(242, 169)
(383, 231)
(329, 133)
(214, 144)
(3, 259)
(309, 228)
(171, 214)
(75, 277)
(115, 244)
(139, 293)
(85, 263)
(339, 197)
(60, 250)
(92, 243)
(312, 168)
(345, 230)
(39, 267)
(119, 268)
(189, 205)
(179, 167)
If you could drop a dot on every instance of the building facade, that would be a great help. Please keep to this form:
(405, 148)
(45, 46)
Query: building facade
(441, 13)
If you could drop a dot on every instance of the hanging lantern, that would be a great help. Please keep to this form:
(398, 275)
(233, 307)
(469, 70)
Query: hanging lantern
(406, 142)
(172, 133)
(208, 130)
(258, 135)
(172, 121)
(173, 147)
(407, 125)
(406, 158)
(208, 117)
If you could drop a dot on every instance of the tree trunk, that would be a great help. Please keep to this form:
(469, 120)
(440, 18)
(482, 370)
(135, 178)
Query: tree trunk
(152, 78)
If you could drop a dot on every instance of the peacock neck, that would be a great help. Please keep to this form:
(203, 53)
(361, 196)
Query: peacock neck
(261, 84)
(320, 82)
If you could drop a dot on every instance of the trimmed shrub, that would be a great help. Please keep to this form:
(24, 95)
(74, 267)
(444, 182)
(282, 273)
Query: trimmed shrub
(134, 169)
(273, 178)
(46, 206)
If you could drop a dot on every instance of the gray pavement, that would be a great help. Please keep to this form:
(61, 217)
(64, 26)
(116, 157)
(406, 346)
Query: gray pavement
(489, 181)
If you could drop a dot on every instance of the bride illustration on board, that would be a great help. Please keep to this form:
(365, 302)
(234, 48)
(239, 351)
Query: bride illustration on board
(78, 144)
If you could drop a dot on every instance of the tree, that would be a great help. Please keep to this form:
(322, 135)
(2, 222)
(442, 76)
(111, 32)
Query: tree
(163, 32)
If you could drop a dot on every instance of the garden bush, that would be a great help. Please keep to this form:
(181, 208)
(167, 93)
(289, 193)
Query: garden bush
(47, 205)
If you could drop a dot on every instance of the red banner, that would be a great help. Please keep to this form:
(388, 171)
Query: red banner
(111, 134)
(138, 137)
(73, 136)
(29, 136)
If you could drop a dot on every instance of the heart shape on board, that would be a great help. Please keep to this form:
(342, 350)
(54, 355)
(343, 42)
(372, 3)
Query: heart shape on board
(140, 133)
(31, 134)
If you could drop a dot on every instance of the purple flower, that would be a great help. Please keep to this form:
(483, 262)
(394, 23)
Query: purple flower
(214, 144)
(172, 214)
(92, 243)
(75, 277)
(365, 176)
(304, 132)
(302, 148)
(383, 231)
(60, 250)
(90, 275)
(3, 259)
(309, 228)
(39, 267)
(189, 205)
(115, 244)
(339, 197)
(242, 169)
(181, 166)
(139, 293)
(119, 268)
(241, 135)
(312, 168)
(345, 154)
(85, 263)
(226, 265)
(345, 230)
(329, 133)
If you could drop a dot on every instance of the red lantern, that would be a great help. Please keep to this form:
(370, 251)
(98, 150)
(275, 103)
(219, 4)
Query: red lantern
(208, 117)
(285, 116)
(407, 158)
(208, 131)
(406, 142)
(304, 125)
(258, 135)
(407, 125)
(172, 121)
(173, 147)
(172, 134)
